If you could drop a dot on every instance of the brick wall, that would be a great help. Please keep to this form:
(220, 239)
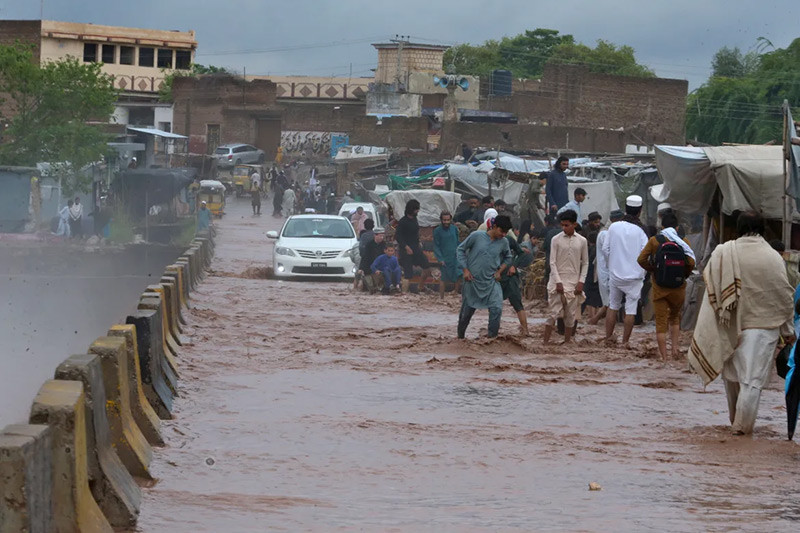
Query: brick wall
(395, 132)
(229, 101)
(648, 109)
(528, 137)
(305, 116)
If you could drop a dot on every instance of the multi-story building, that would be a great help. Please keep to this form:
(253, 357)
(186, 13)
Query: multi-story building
(138, 59)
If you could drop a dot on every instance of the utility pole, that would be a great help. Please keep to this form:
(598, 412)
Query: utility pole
(401, 41)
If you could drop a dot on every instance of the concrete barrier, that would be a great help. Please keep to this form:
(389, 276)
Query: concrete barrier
(110, 480)
(175, 272)
(126, 437)
(188, 277)
(170, 281)
(26, 469)
(62, 406)
(150, 343)
(167, 351)
(193, 256)
(164, 293)
(171, 294)
(143, 413)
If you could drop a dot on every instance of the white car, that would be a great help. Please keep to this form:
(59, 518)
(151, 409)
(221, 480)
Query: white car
(314, 246)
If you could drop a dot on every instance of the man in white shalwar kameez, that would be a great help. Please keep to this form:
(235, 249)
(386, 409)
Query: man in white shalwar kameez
(746, 308)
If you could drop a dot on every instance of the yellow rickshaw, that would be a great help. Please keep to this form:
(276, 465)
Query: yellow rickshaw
(213, 193)
(241, 178)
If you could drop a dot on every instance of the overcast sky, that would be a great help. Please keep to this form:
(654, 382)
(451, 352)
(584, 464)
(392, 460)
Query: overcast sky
(676, 38)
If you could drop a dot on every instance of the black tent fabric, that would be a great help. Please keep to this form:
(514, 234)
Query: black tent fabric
(139, 189)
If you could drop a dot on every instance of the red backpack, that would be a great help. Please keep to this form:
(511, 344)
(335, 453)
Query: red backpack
(670, 263)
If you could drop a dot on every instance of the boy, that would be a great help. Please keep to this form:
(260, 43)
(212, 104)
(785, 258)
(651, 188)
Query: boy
(388, 265)
(569, 264)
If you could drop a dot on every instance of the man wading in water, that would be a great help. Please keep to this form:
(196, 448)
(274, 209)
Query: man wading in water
(484, 256)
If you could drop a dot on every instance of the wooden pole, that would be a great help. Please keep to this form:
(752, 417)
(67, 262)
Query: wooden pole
(787, 204)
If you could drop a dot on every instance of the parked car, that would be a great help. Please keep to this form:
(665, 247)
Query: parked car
(230, 155)
(370, 209)
(315, 245)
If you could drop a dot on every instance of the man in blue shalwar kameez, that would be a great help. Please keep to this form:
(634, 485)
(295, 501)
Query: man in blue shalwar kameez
(484, 256)
(445, 243)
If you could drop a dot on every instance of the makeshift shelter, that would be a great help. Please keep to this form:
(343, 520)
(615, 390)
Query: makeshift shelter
(747, 177)
(432, 203)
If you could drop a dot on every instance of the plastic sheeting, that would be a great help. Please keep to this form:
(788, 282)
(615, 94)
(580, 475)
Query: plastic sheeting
(476, 179)
(600, 197)
(432, 203)
(749, 177)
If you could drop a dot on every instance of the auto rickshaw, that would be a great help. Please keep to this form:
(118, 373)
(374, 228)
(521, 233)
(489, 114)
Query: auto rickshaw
(241, 178)
(213, 193)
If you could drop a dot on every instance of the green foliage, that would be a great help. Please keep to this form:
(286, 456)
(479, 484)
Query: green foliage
(526, 54)
(165, 93)
(742, 104)
(731, 63)
(606, 58)
(51, 109)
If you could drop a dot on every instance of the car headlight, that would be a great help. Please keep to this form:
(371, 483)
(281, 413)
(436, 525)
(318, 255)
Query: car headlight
(282, 250)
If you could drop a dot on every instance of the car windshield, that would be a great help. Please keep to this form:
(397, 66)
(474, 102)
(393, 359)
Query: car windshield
(328, 228)
(221, 151)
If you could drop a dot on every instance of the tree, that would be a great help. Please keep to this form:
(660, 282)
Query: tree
(731, 63)
(526, 54)
(165, 92)
(741, 101)
(51, 107)
(605, 58)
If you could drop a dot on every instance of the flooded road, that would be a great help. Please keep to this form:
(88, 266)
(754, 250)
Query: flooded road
(306, 407)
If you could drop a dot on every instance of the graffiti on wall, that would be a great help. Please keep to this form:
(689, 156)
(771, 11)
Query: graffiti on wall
(307, 143)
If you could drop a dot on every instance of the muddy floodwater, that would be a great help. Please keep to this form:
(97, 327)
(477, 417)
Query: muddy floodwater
(307, 407)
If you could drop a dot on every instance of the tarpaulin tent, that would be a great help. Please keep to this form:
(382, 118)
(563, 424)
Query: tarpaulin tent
(476, 179)
(748, 177)
(432, 203)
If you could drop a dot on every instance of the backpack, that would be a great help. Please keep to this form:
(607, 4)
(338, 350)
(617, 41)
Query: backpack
(670, 263)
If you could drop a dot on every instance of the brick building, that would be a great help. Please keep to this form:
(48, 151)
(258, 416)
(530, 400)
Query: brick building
(220, 109)
(137, 58)
(648, 110)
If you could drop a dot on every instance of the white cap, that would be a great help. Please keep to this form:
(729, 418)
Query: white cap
(203, 202)
(633, 200)
(663, 207)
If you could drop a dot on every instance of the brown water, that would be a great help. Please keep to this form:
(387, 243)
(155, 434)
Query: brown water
(306, 407)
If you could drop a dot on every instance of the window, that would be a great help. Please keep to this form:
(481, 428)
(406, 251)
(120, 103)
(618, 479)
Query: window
(126, 55)
(183, 59)
(164, 58)
(109, 53)
(89, 52)
(146, 56)
(165, 126)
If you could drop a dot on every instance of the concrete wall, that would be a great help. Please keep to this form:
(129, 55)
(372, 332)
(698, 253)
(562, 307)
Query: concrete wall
(422, 83)
(387, 102)
(650, 110)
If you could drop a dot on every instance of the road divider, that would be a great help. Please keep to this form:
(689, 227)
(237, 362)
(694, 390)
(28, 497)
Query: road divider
(73, 468)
